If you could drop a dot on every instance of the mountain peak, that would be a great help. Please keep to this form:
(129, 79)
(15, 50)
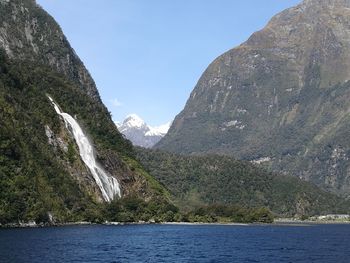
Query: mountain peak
(141, 134)
(133, 120)
(27, 32)
(160, 130)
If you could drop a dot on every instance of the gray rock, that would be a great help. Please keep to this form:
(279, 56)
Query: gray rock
(292, 81)
(27, 32)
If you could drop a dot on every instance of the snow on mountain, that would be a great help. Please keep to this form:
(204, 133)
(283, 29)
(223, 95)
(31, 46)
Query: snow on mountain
(159, 130)
(141, 134)
(133, 121)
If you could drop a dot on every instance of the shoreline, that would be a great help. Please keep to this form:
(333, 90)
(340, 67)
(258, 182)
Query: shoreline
(277, 222)
(309, 222)
(40, 225)
(211, 224)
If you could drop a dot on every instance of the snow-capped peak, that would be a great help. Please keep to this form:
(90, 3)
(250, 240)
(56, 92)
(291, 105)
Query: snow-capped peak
(133, 121)
(159, 130)
(141, 134)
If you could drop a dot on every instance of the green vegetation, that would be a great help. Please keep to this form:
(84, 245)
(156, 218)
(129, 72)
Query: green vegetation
(133, 209)
(35, 181)
(197, 181)
(36, 177)
(43, 179)
(153, 183)
(32, 182)
(229, 214)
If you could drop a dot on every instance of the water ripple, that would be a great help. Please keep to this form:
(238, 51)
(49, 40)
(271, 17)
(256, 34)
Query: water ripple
(167, 243)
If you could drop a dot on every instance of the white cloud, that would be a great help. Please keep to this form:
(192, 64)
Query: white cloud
(116, 103)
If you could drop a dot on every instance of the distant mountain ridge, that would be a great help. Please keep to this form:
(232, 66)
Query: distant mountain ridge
(141, 134)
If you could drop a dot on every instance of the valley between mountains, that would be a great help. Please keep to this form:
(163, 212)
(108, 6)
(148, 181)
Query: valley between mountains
(264, 134)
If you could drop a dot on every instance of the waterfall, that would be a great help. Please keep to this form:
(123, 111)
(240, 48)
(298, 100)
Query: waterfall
(108, 185)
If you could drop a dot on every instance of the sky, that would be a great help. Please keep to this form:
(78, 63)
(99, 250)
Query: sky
(146, 56)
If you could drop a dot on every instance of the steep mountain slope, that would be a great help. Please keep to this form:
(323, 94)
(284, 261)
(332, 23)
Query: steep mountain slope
(41, 170)
(282, 96)
(140, 133)
(42, 173)
(27, 32)
(206, 180)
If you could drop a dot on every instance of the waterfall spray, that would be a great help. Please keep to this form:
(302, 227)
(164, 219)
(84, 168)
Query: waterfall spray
(107, 184)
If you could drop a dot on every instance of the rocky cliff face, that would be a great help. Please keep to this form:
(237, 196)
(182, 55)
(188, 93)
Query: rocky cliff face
(282, 98)
(27, 32)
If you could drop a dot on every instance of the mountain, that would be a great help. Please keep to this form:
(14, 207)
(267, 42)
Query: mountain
(141, 134)
(61, 156)
(62, 159)
(197, 181)
(29, 33)
(281, 97)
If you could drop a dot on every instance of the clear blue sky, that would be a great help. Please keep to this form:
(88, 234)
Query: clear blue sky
(147, 55)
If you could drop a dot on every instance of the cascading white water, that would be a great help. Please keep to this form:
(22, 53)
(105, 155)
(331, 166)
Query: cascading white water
(108, 185)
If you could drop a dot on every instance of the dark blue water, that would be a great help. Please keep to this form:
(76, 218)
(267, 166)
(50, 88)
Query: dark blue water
(169, 243)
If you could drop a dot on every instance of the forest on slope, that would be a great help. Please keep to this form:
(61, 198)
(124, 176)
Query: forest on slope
(197, 181)
(45, 182)
(43, 176)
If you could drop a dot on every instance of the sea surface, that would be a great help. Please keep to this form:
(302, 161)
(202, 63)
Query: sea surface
(177, 243)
